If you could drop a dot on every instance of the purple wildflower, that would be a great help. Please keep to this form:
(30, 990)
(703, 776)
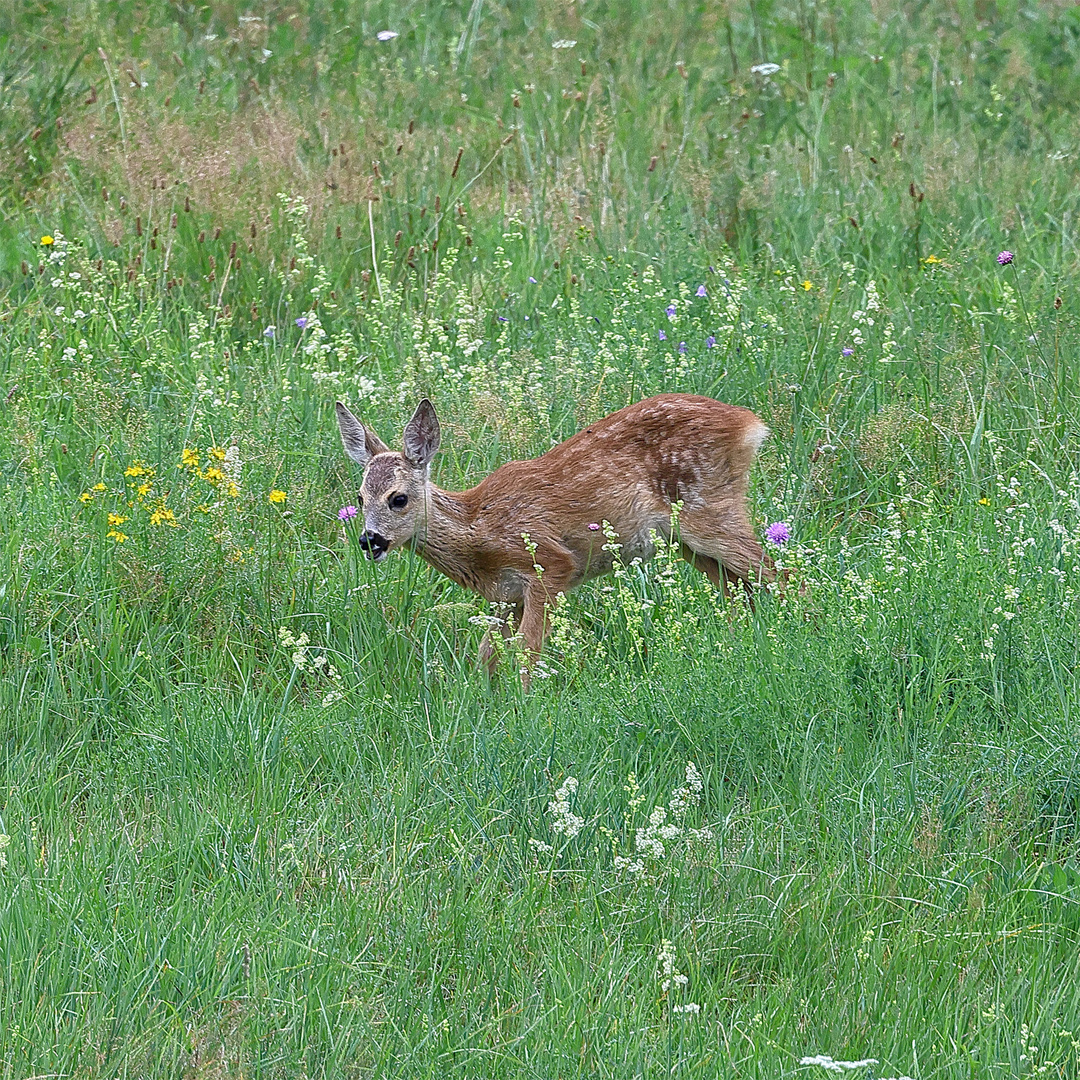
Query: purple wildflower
(502, 318)
(778, 533)
(663, 336)
(347, 513)
(701, 291)
(710, 342)
(532, 281)
(1005, 257)
(682, 346)
(847, 351)
(269, 331)
(671, 309)
(301, 322)
(593, 527)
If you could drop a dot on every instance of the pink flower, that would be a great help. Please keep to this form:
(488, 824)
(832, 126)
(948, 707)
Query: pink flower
(778, 533)
(593, 527)
(1005, 257)
(347, 513)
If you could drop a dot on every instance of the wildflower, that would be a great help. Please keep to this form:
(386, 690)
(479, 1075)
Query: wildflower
(387, 35)
(778, 533)
(116, 535)
(143, 489)
(5, 840)
(217, 453)
(710, 342)
(46, 241)
(593, 527)
(540, 847)
(347, 513)
(270, 331)
(931, 260)
(663, 336)
(807, 285)
(765, 69)
(827, 1062)
(301, 322)
(164, 516)
(682, 346)
(563, 43)
(136, 468)
(98, 487)
(212, 474)
(277, 496)
(984, 502)
(565, 822)
(701, 291)
(116, 519)
(532, 281)
(86, 497)
(1005, 257)
(189, 458)
(847, 350)
(670, 311)
(691, 1008)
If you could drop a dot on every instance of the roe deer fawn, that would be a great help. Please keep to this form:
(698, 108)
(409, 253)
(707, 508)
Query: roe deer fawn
(626, 469)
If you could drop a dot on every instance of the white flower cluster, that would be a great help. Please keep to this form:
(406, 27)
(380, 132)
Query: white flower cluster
(563, 820)
(649, 840)
(316, 664)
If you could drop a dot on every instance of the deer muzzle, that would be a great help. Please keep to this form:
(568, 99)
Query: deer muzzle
(375, 545)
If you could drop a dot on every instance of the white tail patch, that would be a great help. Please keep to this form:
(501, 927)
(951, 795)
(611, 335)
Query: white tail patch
(756, 434)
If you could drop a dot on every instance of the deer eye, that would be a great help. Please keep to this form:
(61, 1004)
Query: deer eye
(397, 502)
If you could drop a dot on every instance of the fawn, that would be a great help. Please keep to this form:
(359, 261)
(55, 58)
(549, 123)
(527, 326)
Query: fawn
(626, 469)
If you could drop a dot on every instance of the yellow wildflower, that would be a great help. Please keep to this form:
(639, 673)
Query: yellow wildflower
(984, 502)
(143, 489)
(98, 487)
(46, 241)
(117, 519)
(164, 516)
(189, 458)
(808, 285)
(115, 534)
(277, 496)
(931, 260)
(86, 497)
(217, 453)
(138, 468)
(232, 491)
(213, 474)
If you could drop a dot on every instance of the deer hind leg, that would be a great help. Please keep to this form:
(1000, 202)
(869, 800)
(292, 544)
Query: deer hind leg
(508, 627)
(725, 549)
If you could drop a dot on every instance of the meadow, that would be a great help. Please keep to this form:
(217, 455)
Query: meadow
(260, 815)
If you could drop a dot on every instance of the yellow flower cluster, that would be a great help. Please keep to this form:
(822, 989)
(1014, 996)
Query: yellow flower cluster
(277, 496)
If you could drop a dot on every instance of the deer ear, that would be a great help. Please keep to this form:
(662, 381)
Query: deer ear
(360, 443)
(422, 435)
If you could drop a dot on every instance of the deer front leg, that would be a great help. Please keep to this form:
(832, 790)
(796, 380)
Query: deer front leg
(508, 627)
(540, 600)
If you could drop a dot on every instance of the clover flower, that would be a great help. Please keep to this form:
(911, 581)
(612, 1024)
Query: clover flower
(347, 513)
(1005, 257)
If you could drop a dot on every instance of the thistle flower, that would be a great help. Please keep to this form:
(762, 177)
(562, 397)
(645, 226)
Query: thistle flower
(347, 513)
(1005, 257)
(778, 533)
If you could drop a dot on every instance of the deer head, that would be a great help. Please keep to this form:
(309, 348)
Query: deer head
(396, 490)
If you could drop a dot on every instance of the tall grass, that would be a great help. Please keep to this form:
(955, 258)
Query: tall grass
(260, 816)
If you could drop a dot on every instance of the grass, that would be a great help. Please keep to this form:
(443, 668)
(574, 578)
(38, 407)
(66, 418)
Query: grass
(226, 850)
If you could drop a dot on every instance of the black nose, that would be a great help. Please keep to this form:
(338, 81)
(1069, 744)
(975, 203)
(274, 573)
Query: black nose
(373, 543)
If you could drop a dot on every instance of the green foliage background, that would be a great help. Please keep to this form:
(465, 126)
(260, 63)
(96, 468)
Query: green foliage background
(219, 857)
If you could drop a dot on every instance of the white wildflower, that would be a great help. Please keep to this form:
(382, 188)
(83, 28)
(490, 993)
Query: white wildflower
(827, 1062)
(387, 35)
(565, 822)
(765, 69)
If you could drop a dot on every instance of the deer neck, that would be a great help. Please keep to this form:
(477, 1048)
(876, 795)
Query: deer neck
(444, 539)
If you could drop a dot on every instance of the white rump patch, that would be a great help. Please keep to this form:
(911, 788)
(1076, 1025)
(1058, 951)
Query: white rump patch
(756, 435)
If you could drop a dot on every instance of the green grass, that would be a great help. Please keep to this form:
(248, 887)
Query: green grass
(223, 854)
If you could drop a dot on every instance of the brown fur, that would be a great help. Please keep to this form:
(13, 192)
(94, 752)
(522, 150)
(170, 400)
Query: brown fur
(626, 469)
